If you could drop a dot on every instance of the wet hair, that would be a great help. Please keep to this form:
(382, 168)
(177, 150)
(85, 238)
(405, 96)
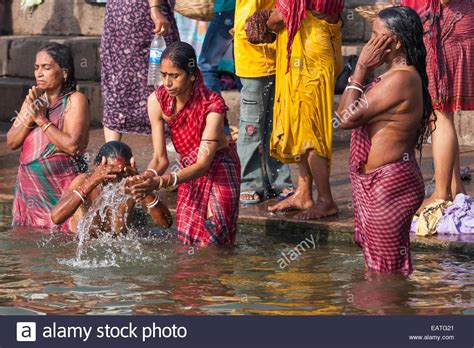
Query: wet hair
(62, 56)
(405, 23)
(114, 150)
(182, 55)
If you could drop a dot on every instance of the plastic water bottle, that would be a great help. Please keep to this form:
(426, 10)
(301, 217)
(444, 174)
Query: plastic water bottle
(157, 47)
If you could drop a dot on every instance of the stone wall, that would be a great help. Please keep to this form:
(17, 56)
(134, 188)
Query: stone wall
(54, 17)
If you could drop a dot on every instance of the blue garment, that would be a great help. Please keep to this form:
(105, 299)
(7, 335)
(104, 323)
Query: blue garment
(260, 172)
(216, 44)
(224, 5)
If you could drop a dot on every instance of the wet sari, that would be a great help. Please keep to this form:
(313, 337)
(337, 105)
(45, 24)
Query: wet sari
(43, 174)
(219, 188)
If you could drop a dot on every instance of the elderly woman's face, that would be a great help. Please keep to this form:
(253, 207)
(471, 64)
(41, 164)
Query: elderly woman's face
(48, 74)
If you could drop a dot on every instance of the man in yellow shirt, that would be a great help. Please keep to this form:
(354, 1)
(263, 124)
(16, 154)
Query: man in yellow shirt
(262, 175)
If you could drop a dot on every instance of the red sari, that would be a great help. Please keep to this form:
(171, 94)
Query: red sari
(220, 187)
(449, 41)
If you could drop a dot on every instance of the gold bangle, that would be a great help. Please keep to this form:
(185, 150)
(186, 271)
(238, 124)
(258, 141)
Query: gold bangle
(159, 7)
(46, 127)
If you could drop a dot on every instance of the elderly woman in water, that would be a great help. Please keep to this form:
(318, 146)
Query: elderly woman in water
(113, 163)
(52, 130)
(389, 119)
(209, 179)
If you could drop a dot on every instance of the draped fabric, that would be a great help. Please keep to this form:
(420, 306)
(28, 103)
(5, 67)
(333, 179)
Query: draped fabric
(43, 174)
(219, 189)
(449, 41)
(304, 96)
(385, 201)
(294, 12)
(124, 53)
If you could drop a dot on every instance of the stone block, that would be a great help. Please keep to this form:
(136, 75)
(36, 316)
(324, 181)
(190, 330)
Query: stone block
(17, 55)
(13, 92)
(58, 17)
(464, 122)
(93, 92)
(86, 57)
(354, 26)
(232, 99)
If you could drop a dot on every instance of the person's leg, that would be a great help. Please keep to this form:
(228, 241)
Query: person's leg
(303, 197)
(216, 43)
(456, 183)
(445, 149)
(249, 141)
(111, 135)
(277, 174)
(325, 205)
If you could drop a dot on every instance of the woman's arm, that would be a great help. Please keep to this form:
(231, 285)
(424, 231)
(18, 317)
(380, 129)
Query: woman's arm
(211, 140)
(74, 137)
(162, 25)
(22, 126)
(70, 201)
(160, 160)
(276, 22)
(84, 184)
(159, 213)
(359, 108)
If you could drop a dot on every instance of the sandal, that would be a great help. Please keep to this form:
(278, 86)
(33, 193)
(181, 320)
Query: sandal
(252, 200)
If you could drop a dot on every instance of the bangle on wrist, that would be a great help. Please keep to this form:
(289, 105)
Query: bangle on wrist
(356, 88)
(44, 127)
(77, 193)
(155, 201)
(158, 6)
(160, 185)
(175, 181)
(151, 170)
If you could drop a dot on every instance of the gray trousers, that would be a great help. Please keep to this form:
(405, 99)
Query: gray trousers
(260, 172)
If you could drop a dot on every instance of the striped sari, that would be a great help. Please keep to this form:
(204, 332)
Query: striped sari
(219, 188)
(43, 174)
(385, 201)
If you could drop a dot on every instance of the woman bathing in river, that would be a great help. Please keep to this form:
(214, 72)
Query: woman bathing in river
(113, 163)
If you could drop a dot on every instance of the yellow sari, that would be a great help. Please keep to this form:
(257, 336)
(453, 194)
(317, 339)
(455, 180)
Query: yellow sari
(304, 96)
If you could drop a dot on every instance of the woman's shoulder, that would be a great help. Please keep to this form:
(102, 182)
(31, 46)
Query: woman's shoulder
(77, 96)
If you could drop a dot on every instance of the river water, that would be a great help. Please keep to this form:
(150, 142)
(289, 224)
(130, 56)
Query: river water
(40, 273)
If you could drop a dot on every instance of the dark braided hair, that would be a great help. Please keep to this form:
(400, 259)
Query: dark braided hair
(62, 56)
(114, 150)
(182, 55)
(405, 23)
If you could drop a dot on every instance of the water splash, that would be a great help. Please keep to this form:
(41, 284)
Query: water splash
(103, 210)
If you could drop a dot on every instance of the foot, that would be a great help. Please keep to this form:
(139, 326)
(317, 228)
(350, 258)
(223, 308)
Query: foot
(318, 210)
(430, 200)
(294, 202)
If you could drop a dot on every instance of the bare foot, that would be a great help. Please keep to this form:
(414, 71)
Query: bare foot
(295, 202)
(428, 201)
(318, 210)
